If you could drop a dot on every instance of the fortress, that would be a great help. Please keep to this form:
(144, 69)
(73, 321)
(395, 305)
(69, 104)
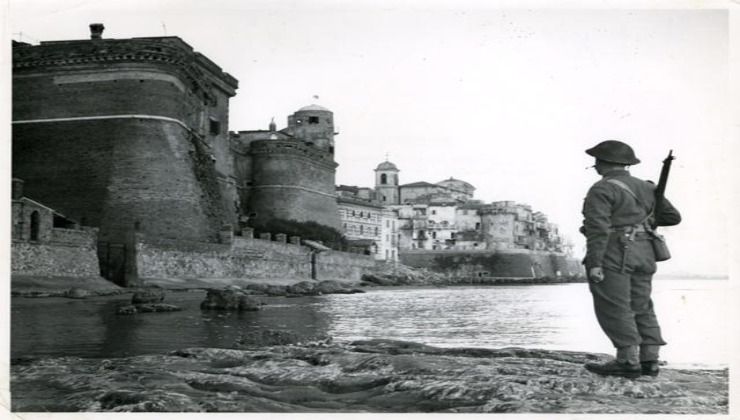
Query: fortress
(132, 135)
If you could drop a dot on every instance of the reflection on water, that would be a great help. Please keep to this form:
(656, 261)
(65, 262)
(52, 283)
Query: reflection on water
(560, 317)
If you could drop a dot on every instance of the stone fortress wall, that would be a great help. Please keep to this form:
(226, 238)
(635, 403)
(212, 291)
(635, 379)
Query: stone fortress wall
(293, 181)
(120, 134)
(243, 258)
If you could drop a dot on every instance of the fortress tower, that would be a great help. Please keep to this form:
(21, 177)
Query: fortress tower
(289, 174)
(313, 125)
(386, 183)
(125, 134)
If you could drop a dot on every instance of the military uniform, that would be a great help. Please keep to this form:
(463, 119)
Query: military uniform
(617, 218)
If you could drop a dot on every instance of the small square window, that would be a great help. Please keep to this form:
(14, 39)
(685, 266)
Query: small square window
(214, 126)
(313, 120)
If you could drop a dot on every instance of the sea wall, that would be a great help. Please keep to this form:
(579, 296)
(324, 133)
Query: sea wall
(69, 253)
(243, 258)
(473, 264)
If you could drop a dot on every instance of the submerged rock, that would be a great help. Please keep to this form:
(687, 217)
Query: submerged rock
(147, 307)
(364, 376)
(77, 293)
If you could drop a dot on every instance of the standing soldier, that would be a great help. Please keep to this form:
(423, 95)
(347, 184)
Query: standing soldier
(618, 214)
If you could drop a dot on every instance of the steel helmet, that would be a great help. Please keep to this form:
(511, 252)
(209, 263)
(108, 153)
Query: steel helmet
(614, 151)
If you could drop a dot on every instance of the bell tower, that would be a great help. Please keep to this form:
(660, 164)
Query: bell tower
(386, 183)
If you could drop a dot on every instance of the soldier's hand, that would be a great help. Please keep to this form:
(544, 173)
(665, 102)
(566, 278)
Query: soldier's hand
(596, 274)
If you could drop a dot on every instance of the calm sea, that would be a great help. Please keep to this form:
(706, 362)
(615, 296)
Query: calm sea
(693, 314)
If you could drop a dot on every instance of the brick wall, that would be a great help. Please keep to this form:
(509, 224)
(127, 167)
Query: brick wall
(291, 181)
(113, 173)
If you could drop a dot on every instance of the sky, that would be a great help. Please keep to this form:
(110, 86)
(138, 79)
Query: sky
(506, 99)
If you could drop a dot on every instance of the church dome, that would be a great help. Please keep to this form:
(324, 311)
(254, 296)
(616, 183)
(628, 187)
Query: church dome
(313, 107)
(386, 166)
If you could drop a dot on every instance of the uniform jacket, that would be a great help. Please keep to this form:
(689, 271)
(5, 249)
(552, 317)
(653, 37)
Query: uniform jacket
(608, 206)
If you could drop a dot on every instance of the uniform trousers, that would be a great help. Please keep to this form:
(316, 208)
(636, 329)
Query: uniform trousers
(622, 300)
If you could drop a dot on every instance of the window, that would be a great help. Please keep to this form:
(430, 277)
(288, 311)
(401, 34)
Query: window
(376, 231)
(214, 126)
(361, 215)
(452, 235)
(353, 213)
(477, 226)
(383, 179)
(434, 235)
(434, 211)
(362, 229)
(313, 120)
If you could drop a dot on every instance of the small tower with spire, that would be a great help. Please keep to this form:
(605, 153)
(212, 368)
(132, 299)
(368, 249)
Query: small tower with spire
(386, 182)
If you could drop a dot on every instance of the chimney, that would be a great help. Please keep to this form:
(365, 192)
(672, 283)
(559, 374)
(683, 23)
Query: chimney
(17, 189)
(96, 30)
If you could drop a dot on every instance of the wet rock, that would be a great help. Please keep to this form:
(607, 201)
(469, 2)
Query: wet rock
(229, 300)
(331, 286)
(274, 290)
(305, 288)
(77, 293)
(263, 338)
(153, 295)
(366, 376)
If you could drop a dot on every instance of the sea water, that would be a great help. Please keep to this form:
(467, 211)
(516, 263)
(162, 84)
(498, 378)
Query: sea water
(693, 314)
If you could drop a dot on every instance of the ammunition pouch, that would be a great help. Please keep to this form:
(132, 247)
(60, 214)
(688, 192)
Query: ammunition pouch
(660, 248)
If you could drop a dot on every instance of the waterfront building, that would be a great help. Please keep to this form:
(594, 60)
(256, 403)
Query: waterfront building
(361, 221)
(389, 236)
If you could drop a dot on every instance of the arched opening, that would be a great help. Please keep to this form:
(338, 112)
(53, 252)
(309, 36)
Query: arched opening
(35, 222)
(383, 179)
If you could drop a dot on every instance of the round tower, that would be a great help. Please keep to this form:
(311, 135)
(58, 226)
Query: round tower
(314, 125)
(386, 183)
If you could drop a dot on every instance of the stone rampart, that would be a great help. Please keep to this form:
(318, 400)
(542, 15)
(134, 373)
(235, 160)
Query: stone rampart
(293, 181)
(54, 259)
(472, 264)
(242, 259)
(125, 134)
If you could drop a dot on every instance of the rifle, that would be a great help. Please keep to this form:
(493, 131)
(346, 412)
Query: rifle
(660, 189)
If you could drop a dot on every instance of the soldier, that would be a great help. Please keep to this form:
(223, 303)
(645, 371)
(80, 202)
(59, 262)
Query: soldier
(618, 214)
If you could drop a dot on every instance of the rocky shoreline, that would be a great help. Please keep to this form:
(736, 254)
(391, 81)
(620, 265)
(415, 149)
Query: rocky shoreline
(363, 376)
(385, 275)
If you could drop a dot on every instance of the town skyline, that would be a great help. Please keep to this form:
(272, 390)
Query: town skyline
(492, 97)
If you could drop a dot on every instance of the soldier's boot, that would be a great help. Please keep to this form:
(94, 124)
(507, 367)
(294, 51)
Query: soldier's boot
(626, 365)
(649, 355)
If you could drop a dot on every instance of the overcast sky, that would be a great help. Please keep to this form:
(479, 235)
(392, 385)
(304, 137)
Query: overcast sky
(507, 100)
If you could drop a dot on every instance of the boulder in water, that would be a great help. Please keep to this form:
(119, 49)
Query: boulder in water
(229, 300)
(147, 296)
